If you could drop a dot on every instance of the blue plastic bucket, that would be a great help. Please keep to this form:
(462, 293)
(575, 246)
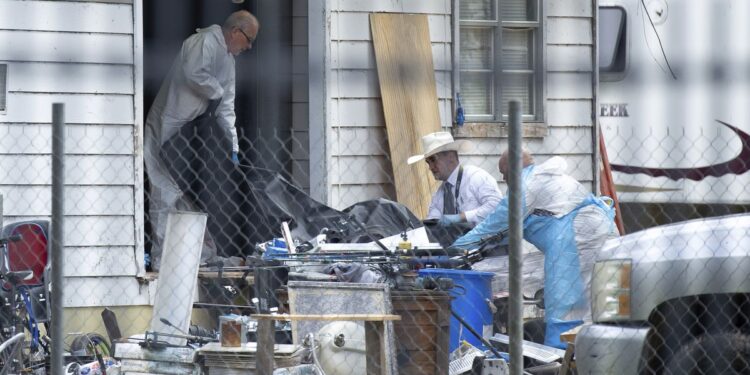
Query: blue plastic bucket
(470, 296)
(275, 249)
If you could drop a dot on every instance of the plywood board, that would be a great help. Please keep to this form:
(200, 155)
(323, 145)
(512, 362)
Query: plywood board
(410, 104)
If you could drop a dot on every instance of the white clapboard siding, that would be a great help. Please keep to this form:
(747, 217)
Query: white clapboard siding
(356, 169)
(66, 16)
(569, 112)
(356, 26)
(99, 261)
(569, 8)
(82, 231)
(89, 139)
(564, 30)
(561, 140)
(83, 54)
(566, 58)
(347, 195)
(86, 200)
(66, 47)
(79, 108)
(359, 167)
(105, 291)
(569, 86)
(70, 78)
(361, 55)
(79, 169)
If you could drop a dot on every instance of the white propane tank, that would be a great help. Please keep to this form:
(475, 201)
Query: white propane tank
(341, 349)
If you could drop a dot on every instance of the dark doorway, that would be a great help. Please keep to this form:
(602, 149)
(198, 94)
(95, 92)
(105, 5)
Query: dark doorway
(263, 75)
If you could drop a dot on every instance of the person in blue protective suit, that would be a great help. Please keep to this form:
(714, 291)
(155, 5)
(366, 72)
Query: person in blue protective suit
(565, 222)
(201, 80)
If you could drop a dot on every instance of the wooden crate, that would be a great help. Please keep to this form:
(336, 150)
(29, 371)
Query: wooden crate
(423, 333)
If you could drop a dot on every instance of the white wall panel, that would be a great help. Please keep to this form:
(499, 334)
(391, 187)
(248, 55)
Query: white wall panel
(81, 109)
(79, 139)
(569, 112)
(66, 47)
(99, 261)
(356, 26)
(79, 170)
(84, 231)
(361, 170)
(104, 291)
(560, 140)
(66, 16)
(395, 6)
(361, 55)
(569, 31)
(569, 86)
(79, 200)
(352, 141)
(357, 112)
(70, 78)
(343, 196)
(569, 58)
(573, 8)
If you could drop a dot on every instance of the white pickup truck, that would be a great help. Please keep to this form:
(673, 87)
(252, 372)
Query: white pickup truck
(673, 299)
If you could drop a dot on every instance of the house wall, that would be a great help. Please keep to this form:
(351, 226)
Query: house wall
(357, 166)
(87, 56)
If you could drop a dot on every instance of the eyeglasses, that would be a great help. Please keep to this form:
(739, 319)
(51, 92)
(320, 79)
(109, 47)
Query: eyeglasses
(249, 40)
(432, 159)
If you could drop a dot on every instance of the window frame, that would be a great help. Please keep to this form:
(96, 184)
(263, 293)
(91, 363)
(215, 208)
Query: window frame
(623, 47)
(538, 63)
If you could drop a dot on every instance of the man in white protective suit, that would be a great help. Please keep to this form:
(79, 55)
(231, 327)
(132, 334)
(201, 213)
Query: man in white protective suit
(201, 80)
(565, 222)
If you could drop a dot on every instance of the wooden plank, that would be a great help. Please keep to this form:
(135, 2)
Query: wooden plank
(79, 169)
(81, 109)
(407, 82)
(66, 16)
(70, 78)
(66, 47)
(23, 200)
(88, 139)
(82, 231)
(359, 83)
(99, 261)
(104, 291)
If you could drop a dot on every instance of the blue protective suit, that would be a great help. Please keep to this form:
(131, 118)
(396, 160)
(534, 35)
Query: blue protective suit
(569, 225)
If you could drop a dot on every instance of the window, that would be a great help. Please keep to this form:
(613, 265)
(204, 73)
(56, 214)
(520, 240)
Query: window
(612, 43)
(500, 58)
(3, 87)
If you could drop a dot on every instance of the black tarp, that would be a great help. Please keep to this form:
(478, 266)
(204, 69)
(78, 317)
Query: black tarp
(246, 205)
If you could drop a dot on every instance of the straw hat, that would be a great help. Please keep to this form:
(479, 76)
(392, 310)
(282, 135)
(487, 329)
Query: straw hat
(434, 143)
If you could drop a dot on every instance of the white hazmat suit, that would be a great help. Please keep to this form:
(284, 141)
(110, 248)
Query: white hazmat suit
(203, 71)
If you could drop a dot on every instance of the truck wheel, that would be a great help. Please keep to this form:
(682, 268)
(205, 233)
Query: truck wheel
(719, 353)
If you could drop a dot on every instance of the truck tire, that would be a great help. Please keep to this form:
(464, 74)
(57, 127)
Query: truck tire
(717, 353)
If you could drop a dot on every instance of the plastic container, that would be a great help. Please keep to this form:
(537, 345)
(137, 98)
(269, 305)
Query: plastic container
(472, 291)
(275, 249)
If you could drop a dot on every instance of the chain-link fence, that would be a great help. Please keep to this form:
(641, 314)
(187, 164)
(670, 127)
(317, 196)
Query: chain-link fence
(306, 245)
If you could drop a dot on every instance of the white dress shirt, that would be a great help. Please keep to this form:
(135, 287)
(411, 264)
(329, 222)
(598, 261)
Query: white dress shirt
(477, 197)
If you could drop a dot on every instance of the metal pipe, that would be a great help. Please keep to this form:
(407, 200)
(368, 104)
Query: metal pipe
(515, 234)
(476, 334)
(56, 237)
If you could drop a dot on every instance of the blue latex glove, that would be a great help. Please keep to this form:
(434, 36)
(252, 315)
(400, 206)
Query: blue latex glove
(447, 220)
(235, 158)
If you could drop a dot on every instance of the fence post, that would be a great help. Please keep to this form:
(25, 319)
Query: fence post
(56, 237)
(515, 237)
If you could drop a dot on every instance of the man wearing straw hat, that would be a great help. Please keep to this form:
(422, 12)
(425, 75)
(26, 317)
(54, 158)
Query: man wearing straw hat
(468, 194)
